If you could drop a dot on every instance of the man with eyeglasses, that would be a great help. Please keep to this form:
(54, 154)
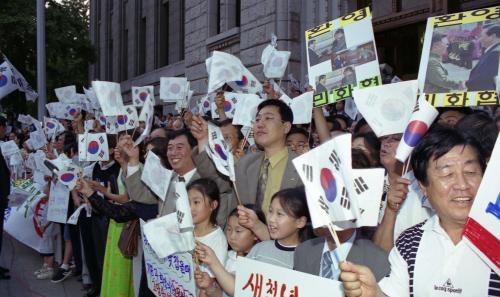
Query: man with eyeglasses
(261, 174)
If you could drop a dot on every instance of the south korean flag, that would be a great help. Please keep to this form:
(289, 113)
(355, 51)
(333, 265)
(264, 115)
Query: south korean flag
(222, 68)
(173, 88)
(96, 147)
(92, 97)
(66, 94)
(220, 153)
(335, 192)
(231, 99)
(7, 80)
(52, 127)
(248, 83)
(132, 117)
(112, 125)
(69, 175)
(139, 95)
(274, 61)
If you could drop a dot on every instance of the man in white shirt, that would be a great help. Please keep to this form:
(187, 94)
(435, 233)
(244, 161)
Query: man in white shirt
(430, 258)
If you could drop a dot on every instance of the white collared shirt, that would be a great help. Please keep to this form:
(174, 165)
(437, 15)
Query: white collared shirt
(187, 176)
(414, 209)
(338, 254)
(441, 268)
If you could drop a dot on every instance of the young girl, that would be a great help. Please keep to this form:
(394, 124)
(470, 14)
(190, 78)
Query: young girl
(241, 240)
(204, 201)
(286, 221)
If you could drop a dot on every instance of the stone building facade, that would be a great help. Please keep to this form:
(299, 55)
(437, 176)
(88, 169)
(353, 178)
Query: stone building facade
(139, 41)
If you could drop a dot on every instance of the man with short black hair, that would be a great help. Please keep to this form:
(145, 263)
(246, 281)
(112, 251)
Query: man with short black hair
(430, 257)
(482, 76)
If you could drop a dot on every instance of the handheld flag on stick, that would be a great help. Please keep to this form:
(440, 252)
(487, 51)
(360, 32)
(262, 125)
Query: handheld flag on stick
(220, 152)
(109, 96)
(155, 176)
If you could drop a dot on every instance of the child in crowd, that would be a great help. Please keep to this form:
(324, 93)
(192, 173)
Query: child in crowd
(204, 201)
(286, 221)
(241, 240)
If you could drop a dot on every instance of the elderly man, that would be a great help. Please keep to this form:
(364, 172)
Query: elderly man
(482, 76)
(430, 259)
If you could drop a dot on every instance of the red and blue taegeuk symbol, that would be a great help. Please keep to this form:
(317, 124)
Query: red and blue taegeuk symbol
(206, 104)
(328, 184)
(143, 96)
(220, 152)
(243, 82)
(67, 177)
(93, 147)
(122, 119)
(3, 80)
(228, 105)
(414, 132)
(72, 111)
(51, 125)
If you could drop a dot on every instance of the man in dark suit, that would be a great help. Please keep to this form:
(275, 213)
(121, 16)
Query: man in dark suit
(313, 56)
(482, 76)
(4, 192)
(320, 256)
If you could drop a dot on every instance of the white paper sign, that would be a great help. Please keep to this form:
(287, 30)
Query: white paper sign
(155, 176)
(171, 275)
(254, 278)
(58, 203)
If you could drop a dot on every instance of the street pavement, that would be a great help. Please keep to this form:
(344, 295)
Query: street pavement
(22, 262)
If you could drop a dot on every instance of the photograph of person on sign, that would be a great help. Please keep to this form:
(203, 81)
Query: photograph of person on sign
(462, 57)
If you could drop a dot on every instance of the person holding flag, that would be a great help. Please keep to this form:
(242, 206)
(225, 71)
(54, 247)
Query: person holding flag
(430, 257)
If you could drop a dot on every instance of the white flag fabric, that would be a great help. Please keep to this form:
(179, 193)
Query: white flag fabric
(37, 139)
(336, 192)
(155, 176)
(275, 62)
(69, 174)
(88, 125)
(61, 110)
(246, 109)
(139, 95)
(231, 99)
(173, 88)
(112, 126)
(247, 132)
(247, 84)
(387, 108)
(109, 96)
(350, 108)
(302, 108)
(132, 119)
(421, 119)
(165, 234)
(205, 103)
(93, 147)
(147, 115)
(222, 68)
(92, 97)
(66, 94)
(21, 82)
(52, 127)
(29, 120)
(220, 152)
(7, 80)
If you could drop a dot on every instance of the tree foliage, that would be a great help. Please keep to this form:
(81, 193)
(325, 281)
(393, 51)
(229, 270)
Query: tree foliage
(68, 48)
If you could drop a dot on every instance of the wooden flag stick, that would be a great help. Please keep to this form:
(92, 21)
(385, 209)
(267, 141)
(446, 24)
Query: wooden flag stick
(237, 195)
(245, 139)
(336, 239)
(406, 166)
(133, 133)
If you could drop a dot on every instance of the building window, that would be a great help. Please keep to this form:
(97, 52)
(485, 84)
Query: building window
(141, 53)
(223, 15)
(124, 43)
(182, 18)
(110, 60)
(163, 35)
(109, 37)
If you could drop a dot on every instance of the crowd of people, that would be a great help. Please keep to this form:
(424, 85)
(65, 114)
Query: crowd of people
(421, 219)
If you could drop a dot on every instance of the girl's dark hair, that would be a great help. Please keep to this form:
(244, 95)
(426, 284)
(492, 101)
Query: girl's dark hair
(258, 211)
(208, 188)
(294, 203)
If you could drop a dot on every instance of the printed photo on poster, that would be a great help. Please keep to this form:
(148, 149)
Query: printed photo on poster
(461, 54)
(342, 56)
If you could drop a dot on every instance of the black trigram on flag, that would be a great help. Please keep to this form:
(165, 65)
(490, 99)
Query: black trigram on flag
(360, 185)
(131, 122)
(180, 216)
(334, 158)
(214, 135)
(101, 139)
(344, 199)
(308, 170)
(101, 154)
(323, 204)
